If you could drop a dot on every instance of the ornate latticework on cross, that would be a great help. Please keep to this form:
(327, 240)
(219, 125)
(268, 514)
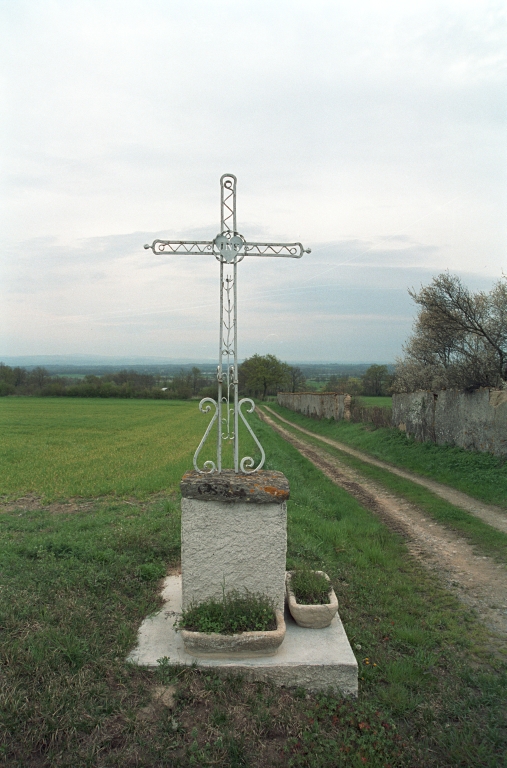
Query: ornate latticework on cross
(229, 248)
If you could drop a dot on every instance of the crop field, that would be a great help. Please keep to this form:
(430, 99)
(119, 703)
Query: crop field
(64, 447)
(78, 579)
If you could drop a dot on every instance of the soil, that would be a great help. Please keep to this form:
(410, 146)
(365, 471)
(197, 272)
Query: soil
(478, 581)
(34, 503)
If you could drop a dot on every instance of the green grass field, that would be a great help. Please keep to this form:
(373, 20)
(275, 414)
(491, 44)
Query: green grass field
(375, 402)
(313, 384)
(63, 447)
(76, 585)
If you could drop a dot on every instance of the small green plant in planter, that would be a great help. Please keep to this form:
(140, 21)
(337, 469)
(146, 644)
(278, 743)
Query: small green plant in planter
(311, 598)
(235, 612)
(240, 623)
(310, 587)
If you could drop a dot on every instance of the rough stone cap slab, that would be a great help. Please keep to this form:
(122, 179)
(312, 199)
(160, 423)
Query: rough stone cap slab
(263, 487)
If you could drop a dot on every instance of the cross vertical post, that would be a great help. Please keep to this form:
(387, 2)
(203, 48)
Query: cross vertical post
(229, 248)
(228, 347)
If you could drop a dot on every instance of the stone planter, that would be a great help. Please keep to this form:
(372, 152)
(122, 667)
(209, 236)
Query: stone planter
(242, 645)
(311, 616)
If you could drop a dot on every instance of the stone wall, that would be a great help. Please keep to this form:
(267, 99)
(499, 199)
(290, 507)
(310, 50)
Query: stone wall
(325, 405)
(472, 420)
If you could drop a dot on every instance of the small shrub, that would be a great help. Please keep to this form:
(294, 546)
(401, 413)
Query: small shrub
(151, 571)
(6, 389)
(378, 416)
(236, 612)
(310, 587)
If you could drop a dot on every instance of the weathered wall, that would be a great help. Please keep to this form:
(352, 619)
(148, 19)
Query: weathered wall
(473, 420)
(325, 405)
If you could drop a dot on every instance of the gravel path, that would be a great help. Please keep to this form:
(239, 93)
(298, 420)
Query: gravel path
(478, 581)
(494, 516)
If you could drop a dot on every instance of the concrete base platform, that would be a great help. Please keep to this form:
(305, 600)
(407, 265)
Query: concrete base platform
(315, 659)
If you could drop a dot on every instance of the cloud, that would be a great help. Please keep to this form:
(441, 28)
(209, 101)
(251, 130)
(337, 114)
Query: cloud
(109, 293)
(374, 133)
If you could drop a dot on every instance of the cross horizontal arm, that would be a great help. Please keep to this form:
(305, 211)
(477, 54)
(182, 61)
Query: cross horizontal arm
(186, 247)
(287, 250)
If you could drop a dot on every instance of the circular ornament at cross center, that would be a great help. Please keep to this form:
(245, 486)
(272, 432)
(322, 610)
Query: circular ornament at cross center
(229, 246)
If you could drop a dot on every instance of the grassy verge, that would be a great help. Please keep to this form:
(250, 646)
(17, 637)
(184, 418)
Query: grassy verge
(75, 587)
(374, 402)
(481, 475)
(487, 540)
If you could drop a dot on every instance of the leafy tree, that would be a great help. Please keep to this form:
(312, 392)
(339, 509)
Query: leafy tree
(181, 385)
(6, 374)
(459, 338)
(20, 376)
(196, 380)
(131, 379)
(38, 377)
(377, 380)
(263, 375)
(337, 384)
(7, 380)
(344, 385)
(354, 386)
(297, 379)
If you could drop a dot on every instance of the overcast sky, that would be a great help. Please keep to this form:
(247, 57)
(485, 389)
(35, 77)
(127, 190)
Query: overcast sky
(373, 132)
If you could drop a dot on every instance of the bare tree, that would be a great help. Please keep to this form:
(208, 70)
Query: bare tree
(459, 339)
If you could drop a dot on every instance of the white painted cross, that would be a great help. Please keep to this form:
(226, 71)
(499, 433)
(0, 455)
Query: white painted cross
(229, 248)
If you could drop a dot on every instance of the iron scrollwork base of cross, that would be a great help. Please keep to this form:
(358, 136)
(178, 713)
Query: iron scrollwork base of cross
(229, 248)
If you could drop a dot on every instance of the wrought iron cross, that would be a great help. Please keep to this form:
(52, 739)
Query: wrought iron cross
(229, 248)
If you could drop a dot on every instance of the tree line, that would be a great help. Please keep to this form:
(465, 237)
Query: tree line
(375, 382)
(259, 376)
(124, 384)
(459, 341)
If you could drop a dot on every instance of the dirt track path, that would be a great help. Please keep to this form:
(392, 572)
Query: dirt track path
(478, 581)
(494, 516)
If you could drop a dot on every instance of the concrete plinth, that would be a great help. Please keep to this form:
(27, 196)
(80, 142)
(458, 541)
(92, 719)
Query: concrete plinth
(315, 659)
(233, 534)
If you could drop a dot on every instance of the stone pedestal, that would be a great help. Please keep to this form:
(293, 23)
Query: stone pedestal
(315, 659)
(233, 534)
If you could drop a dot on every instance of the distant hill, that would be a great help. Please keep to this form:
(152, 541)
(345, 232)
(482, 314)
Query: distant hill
(30, 361)
(67, 365)
(102, 364)
(323, 371)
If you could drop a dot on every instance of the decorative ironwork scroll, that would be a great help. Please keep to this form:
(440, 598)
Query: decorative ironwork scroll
(229, 248)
